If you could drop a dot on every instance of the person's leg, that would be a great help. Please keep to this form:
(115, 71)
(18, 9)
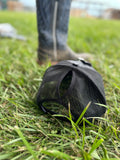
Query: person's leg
(44, 23)
(52, 20)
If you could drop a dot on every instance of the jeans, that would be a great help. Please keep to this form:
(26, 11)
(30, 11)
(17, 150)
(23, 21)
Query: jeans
(52, 22)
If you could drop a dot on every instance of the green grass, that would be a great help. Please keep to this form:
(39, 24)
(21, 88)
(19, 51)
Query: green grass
(25, 131)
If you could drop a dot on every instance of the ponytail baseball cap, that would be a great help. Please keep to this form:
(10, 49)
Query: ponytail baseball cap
(75, 83)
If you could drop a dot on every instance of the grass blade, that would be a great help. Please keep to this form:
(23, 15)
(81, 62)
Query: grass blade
(82, 114)
(25, 142)
(56, 154)
(95, 146)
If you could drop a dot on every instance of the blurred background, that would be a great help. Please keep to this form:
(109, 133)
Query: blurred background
(106, 9)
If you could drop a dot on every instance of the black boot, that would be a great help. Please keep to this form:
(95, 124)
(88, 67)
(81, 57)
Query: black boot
(53, 19)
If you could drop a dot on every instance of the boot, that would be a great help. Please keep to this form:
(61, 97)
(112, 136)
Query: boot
(52, 20)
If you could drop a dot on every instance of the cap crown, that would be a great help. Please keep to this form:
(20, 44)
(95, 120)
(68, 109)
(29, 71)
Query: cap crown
(73, 82)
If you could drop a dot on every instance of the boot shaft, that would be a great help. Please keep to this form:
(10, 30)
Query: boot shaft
(62, 23)
(52, 20)
(44, 22)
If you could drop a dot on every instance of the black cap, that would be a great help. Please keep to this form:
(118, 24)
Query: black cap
(75, 83)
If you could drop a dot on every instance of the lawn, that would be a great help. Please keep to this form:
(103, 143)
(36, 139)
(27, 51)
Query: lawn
(27, 133)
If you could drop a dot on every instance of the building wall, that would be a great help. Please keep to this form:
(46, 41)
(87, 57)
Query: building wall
(78, 13)
(116, 14)
(14, 6)
(3, 4)
(111, 14)
(0, 5)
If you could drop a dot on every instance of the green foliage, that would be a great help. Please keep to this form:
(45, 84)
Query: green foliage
(25, 131)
